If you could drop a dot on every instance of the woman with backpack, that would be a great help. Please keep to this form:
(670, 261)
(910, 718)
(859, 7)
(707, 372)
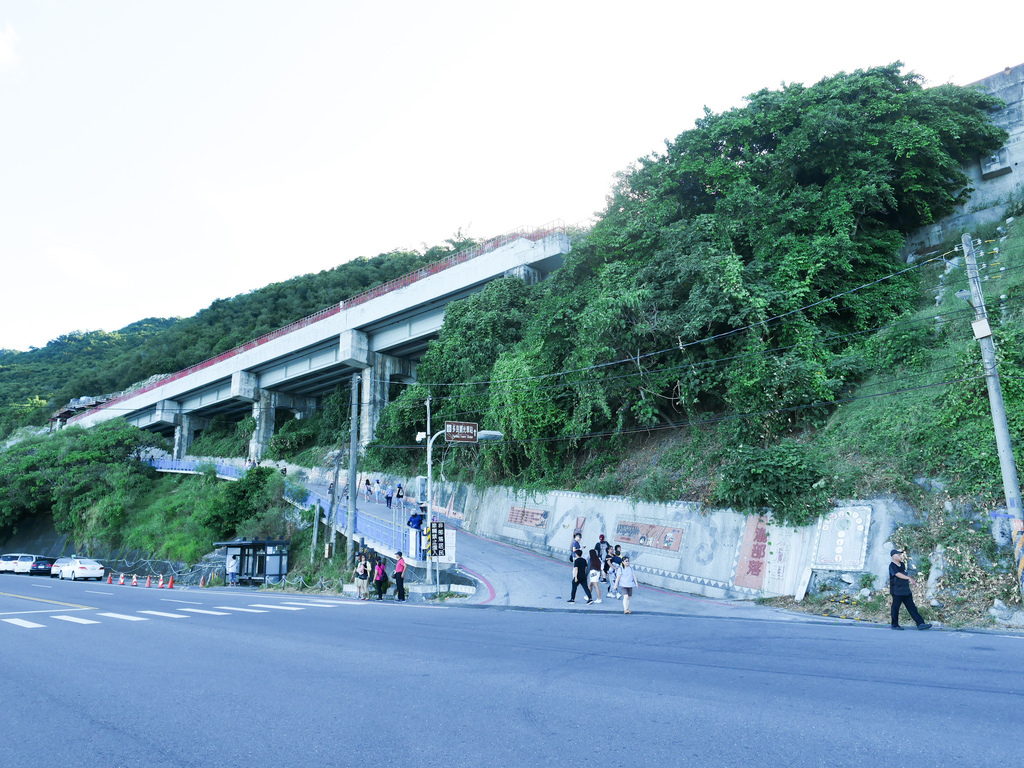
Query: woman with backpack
(362, 578)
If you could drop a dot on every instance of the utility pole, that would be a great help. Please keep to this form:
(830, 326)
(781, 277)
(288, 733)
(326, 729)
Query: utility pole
(332, 517)
(983, 333)
(353, 492)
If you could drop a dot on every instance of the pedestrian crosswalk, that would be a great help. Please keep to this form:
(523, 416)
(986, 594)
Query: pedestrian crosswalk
(177, 613)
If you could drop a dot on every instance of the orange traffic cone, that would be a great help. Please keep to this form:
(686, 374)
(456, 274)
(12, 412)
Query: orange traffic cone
(202, 581)
(161, 584)
(121, 580)
(149, 581)
(110, 578)
(170, 584)
(135, 580)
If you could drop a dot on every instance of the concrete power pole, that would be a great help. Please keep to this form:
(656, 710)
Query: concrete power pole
(353, 492)
(983, 333)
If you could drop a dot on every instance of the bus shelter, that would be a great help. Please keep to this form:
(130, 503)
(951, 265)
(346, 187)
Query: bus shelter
(259, 562)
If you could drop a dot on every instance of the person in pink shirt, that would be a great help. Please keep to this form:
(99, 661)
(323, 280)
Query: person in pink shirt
(400, 578)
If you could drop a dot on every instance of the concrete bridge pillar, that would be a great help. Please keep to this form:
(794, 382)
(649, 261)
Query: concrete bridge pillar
(264, 409)
(185, 433)
(377, 372)
(376, 380)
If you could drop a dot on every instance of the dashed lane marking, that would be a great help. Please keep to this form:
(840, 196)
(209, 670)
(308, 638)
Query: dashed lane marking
(75, 619)
(98, 593)
(208, 613)
(184, 602)
(315, 605)
(165, 615)
(276, 607)
(123, 617)
(235, 608)
(23, 623)
(41, 586)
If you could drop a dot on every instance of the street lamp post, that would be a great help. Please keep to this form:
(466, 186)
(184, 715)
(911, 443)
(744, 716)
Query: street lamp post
(484, 435)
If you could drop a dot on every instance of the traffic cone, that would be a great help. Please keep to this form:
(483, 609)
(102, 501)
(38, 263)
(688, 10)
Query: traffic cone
(135, 580)
(149, 581)
(202, 581)
(121, 580)
(110, 578)
(170, 584)
(161, 584)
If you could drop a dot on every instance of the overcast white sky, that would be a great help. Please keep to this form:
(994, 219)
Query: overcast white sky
(155, 156)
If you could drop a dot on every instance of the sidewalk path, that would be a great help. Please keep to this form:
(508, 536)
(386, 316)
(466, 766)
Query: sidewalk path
(511, 577)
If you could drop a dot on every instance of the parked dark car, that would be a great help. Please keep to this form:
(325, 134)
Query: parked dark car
(41, 566)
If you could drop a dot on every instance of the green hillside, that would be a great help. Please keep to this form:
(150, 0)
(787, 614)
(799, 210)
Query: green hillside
(738, 328)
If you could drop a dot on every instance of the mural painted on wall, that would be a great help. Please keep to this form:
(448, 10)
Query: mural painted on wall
(842, 539)
(656, 536)
(530, 518)
(750, 570)
(450, 502)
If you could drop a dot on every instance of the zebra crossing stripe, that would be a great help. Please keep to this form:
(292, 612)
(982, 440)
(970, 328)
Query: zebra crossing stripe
(276, 607)
(208, 613)
(316, 605)
(123, 617)
(23, 623)
(75, 619)
(233, 608)
(165, 615)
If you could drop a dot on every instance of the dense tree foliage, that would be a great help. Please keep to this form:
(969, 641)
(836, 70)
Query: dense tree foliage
(731, 273)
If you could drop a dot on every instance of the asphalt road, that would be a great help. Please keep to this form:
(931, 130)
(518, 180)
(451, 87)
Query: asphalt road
(340, 682)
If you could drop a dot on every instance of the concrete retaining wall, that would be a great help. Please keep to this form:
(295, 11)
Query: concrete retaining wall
(682, 546)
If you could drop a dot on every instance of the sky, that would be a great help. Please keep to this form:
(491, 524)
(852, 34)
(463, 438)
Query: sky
(156, 156)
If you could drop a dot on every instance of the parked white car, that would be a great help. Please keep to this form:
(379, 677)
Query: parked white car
(60, 563)
(82, 568)
(7, 561)
(23, 563)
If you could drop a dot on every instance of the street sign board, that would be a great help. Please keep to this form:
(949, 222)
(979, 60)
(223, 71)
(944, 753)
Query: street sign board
(437, 539)
(460, 431)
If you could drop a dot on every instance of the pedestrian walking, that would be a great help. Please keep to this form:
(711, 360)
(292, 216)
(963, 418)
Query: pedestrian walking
(376, 491)
(594, 575)
(626, 582)
(611, 573)
(603, 548)
(366, 490)
(380, 579)
(389, 494)
(400, 578)
(580, 571)
(899, 588)
(231, 569)
(400, 495)
(330, 488)
(576, 548)
(362, 578)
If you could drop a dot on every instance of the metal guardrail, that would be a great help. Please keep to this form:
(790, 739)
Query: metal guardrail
(360, 298)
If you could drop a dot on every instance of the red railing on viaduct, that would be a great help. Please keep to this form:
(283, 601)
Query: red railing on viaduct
(360, 298)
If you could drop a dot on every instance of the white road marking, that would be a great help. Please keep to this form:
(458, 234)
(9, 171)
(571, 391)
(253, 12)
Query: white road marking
(233, 608)
(23, 623)
(166, 615)
(276, 607)
(316, 605)
(76, 620)
(186, 602)
(91, 592)
(41, 586)
(123, 617)
(209, 613)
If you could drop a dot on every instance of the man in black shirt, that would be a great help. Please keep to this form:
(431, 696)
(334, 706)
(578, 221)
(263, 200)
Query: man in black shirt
(899, 588)
(580, 569)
